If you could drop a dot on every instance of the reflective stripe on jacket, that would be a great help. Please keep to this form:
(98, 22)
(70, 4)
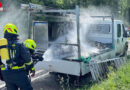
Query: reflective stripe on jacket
(20, 56)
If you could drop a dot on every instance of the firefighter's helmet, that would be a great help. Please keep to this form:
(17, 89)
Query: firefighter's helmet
(29, 43)
(10, 28)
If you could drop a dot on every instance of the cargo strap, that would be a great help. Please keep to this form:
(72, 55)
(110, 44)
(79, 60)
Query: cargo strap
(14, 68)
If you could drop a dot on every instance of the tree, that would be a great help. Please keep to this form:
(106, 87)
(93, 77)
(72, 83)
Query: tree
(116, 6)
(124, 6)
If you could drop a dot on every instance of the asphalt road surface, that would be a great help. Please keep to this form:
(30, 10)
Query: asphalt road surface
(42, 80)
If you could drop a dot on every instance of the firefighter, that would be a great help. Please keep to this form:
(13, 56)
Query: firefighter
(15, 59)
(36, 55)
(31, 45)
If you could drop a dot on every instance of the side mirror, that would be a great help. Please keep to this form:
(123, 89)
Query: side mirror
(125, 34)
(128, 34)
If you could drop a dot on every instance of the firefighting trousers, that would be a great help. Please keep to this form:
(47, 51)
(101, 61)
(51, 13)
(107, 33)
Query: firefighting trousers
(15, 79)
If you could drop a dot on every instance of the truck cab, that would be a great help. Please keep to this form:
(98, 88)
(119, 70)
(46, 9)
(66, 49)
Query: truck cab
(121, 43)
(101, 32)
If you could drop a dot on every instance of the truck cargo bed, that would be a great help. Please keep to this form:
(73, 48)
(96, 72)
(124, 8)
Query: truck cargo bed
(62, 66)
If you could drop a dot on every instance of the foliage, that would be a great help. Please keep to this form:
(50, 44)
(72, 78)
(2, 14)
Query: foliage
(119, 7)
(32, 1)
(124, 7)
(119, 80)
(60, 3)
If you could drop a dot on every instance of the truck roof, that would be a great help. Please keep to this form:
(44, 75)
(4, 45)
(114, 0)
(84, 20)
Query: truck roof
(108, 21)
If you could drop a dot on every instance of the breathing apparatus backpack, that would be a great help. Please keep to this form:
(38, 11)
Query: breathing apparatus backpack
(4, 52)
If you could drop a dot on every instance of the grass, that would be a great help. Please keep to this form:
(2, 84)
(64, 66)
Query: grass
(119, 80)
(128, 38)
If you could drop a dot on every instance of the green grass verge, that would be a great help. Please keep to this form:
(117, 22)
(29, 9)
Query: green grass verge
(128, 38)
(119, 80)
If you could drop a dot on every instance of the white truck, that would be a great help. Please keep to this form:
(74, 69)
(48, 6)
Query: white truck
(102, 40)
(110, 38)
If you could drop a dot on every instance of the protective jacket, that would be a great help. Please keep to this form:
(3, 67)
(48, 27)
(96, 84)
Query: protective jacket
(19, 56)
(20, 60)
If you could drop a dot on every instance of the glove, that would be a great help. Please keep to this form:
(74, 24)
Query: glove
(32, 71)
(37, 57)
(40, 58)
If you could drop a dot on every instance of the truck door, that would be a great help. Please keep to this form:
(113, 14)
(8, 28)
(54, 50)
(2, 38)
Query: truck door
(124, 37)
(119, 38)
(40, 34)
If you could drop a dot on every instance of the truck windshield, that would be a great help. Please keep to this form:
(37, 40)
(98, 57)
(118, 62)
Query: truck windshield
(99, 28)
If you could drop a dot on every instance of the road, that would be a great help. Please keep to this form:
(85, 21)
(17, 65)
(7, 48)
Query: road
(42, 80)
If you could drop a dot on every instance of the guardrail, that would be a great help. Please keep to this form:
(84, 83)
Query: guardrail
(99, 69)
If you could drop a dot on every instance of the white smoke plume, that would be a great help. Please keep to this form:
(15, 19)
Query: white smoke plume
(61, 51)
(13, 14)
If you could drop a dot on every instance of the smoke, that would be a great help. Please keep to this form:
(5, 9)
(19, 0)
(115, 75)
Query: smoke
(63, 51)
(13, 14)
(58, 51)
(85, 21)
(98, 11)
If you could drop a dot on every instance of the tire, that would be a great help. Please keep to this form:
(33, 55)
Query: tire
(125, 50)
